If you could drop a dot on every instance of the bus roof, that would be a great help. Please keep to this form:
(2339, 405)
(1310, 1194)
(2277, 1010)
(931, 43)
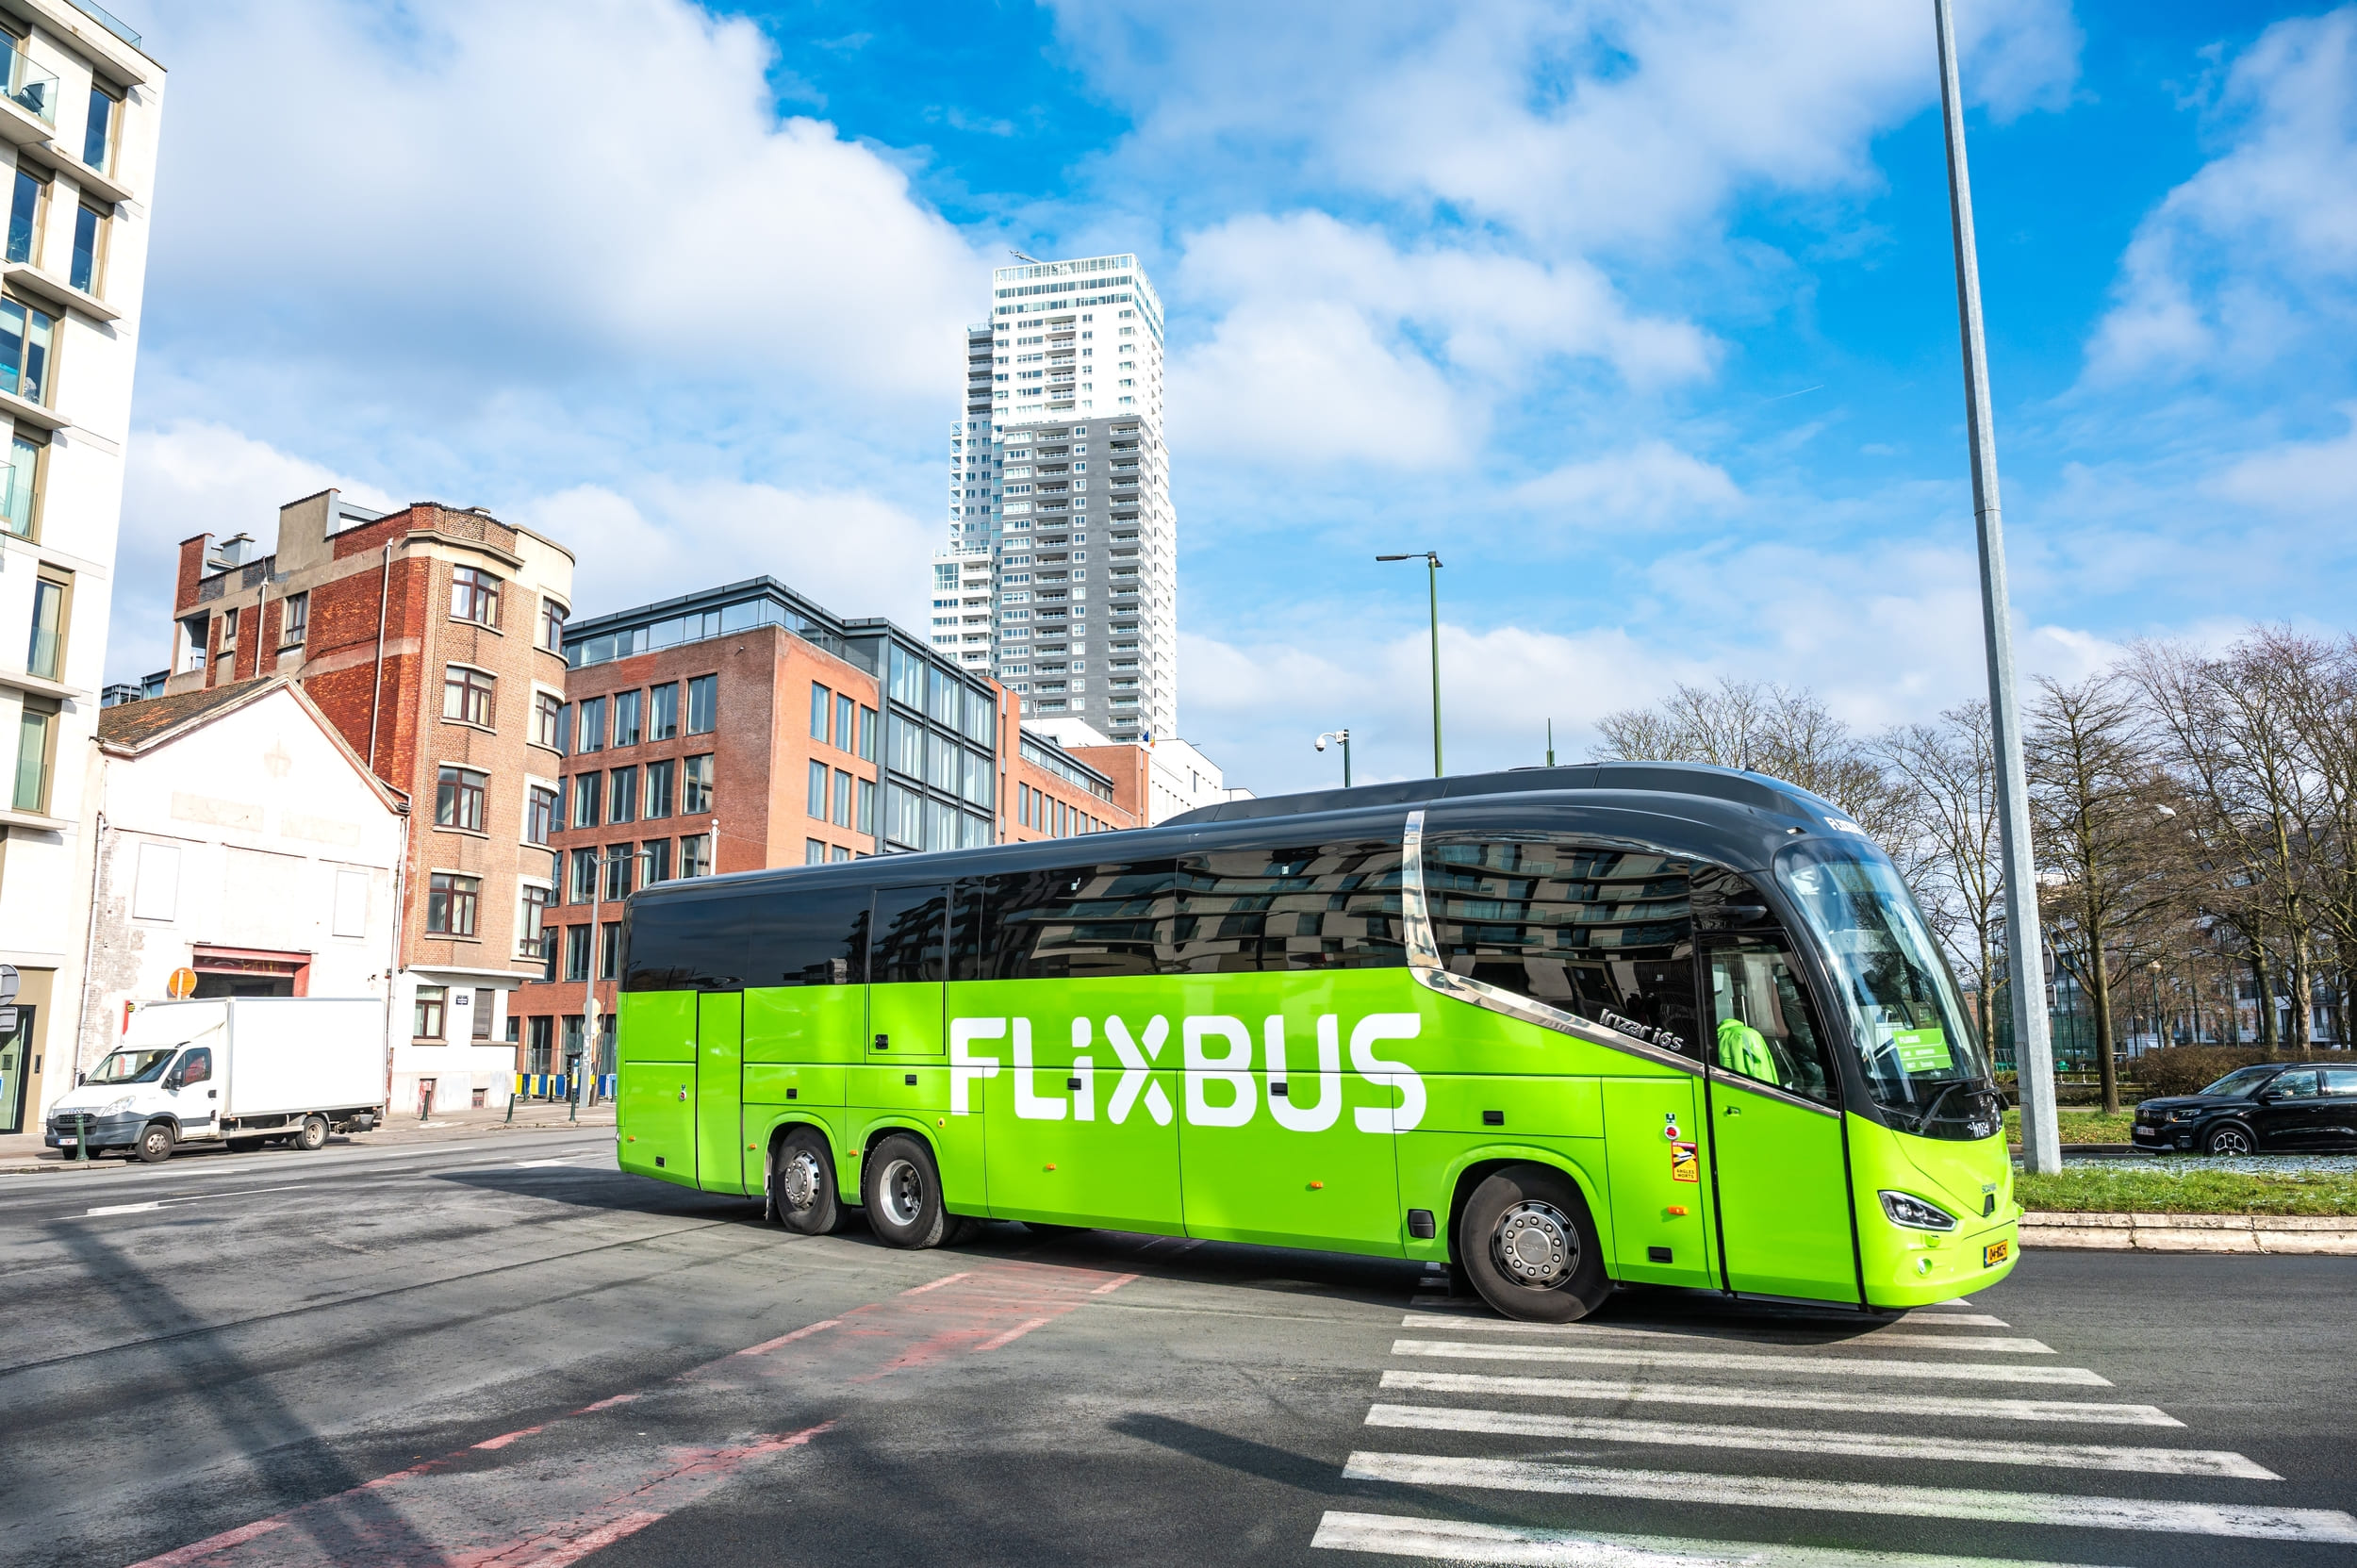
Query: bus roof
(1670, 778)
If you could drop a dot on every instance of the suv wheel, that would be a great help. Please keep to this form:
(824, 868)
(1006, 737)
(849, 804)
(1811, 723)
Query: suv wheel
(2232, 1138)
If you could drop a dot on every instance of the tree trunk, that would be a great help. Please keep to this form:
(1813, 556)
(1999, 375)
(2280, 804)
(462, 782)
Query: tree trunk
(2264, 984)
(2303, 1000)
(2107, 1068)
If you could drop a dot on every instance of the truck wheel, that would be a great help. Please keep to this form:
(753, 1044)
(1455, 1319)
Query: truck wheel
(1531, 1249)
(314, 1134)
(903, 1191)
(154, 1145)
(801, 1185)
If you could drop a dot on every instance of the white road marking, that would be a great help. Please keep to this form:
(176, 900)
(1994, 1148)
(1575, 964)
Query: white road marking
(2086, 1412)
(1805, 1366)
(2331, 1526)
(1870, 1337)
(193, 1198)
(1961, 1320)
(540, 1164)
(2066, 1455)
(1460, 1541)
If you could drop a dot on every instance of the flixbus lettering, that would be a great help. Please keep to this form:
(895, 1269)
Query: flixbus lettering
(1448, 1021)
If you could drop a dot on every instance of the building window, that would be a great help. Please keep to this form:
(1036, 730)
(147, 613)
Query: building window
(626, 718)
(695, 777)
(584, 878)
(552, 625)
(539, 814)
(458, 799)
(294, 620)
(662, 712)
(25, 338)
(658, 789)
(28, 204)
(703, 696)
(813, 852)
(98, 130)
(610, 949)
(229, 619)
(531, 907)
(821, 703)
(474, 596)
(839, 853)
(45, 655)
(542, 1040)
(193, 632)
(19, 486)
(466, 696)
(817, 800)
(621, 800)
(36, 737)
(590, 724)
(426, 1017)
(655, 862)
(867, 822)
(89, 249)
(618, 859)
(868, 735)
(695, 857)
(576, 952)
(449, 903)
(846, 731)
(589, 800)
(548, 720)
(842, 799)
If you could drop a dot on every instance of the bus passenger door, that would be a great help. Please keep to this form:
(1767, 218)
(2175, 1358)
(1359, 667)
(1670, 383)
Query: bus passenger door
(1777, 1160)
(658, 1105)
(720, 1091)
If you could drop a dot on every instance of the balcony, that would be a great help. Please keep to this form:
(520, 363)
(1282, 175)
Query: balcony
(28, 100)
(49, 287)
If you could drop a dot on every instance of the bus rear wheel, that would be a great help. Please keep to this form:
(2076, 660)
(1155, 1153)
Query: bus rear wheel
(801, 1185)
(902, 1189)
(1528, 1243)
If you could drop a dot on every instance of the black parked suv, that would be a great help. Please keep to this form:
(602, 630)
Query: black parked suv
(2282, 1105)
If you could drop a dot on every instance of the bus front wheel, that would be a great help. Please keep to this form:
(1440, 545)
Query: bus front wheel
(1530, 1248)
(801, 1185)
(902, 1189)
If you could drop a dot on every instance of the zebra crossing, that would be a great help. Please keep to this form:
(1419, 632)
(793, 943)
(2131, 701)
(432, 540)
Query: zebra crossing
(1599, 1420)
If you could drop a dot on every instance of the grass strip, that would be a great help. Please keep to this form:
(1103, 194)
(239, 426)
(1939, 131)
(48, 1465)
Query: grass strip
(2077, 1127)
(2190, 1189)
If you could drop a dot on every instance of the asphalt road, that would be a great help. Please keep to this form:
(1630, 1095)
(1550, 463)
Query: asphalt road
(474, 1353)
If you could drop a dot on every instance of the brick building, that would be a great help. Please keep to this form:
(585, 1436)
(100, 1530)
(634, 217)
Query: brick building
(1058, 795)
(432, 639)
(740, 728)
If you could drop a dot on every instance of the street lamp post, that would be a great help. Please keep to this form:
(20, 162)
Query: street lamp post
(1432, 584)
(614, 856)
(1343, 736)
(2034, 1048)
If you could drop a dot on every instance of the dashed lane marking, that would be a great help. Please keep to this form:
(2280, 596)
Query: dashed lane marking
(1800, 1366)
(1462, 1541)
(2088, 1412)
(155, 1203)
(2324, 1526)
(2065, 1455)
(1869, 1339)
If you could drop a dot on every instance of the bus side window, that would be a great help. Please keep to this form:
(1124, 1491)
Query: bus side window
(1091, 921)
(805, 938)
(906, 934)
(1310, 906)
(1762, 1024)
(1599, 929)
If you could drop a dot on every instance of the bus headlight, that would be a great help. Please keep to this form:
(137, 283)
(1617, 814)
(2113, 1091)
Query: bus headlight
(1914, 1214)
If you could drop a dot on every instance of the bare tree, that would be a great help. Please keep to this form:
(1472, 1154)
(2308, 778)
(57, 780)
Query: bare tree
(1945, 774)
(2092, 810)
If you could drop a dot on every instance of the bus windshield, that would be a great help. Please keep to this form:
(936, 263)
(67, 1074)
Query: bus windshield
(1922, 1063)
(142, 1064)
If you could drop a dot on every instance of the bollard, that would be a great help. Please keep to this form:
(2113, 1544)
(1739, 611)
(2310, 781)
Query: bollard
(511, 1107)
(81, 1140)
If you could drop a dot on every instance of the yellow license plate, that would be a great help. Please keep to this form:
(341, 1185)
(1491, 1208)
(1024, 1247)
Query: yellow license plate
(1995, 1253)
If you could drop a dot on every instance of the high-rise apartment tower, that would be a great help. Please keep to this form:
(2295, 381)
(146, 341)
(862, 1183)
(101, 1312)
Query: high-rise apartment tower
(1061, 573)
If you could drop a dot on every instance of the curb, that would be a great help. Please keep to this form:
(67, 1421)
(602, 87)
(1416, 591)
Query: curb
(2329, 1234)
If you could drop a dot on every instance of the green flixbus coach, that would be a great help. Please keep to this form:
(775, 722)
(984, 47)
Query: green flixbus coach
(1565, 1027)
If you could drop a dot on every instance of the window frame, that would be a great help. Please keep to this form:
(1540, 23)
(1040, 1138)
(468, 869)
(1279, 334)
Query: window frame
(294, 620)
(708, 689)
(473, 688)
(50, 582)
(547, 718)
(481, 592)
(37, 442)
(429, 1014)
(462, 798)
(553, 617)
(456, 897)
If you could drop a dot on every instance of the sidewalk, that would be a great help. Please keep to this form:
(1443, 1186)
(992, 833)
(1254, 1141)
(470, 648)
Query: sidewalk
(21, 1152)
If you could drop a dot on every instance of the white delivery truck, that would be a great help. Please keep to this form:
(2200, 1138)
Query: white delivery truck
(242, 1070)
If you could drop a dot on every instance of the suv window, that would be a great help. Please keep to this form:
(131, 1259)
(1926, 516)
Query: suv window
(2298, 1085)
(2340, 1081)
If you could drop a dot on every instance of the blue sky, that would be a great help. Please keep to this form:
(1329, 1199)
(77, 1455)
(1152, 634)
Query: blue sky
(1642, 315)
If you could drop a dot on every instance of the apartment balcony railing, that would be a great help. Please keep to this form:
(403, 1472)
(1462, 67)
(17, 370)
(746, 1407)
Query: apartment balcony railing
(29, 88)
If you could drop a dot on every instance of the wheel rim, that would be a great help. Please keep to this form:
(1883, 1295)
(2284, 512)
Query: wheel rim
(2229, 1140)
(1535, 1245)
(798, 1181)
(901, 1191)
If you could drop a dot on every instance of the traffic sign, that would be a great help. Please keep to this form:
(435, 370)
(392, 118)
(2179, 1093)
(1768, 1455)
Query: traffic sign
(182, 983)
(7, 984)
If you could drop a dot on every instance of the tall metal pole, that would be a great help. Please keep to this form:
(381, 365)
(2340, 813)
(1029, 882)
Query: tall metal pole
(1432, 581)
(2033, 1049)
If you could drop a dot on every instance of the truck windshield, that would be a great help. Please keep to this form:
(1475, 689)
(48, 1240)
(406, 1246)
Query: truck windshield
(1923, 1066)
(142, 1064)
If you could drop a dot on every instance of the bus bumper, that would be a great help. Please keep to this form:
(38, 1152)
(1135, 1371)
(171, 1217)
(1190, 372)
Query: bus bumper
(1914, 1268)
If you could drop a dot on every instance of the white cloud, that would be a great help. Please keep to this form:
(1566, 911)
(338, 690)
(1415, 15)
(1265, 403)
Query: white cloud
(1651, 483)
(2297, 478)
(2247, 261)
